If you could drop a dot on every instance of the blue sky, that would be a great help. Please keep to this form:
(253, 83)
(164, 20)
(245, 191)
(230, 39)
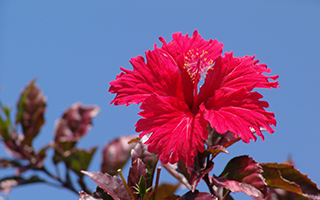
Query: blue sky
(75, 48)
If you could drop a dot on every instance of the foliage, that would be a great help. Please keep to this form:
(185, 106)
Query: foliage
(179, 132)
(241, 174)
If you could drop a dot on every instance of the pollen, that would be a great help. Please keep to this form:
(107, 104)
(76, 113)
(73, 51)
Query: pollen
(197, 64)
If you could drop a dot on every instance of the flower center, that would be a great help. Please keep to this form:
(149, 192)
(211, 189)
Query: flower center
(197, 64)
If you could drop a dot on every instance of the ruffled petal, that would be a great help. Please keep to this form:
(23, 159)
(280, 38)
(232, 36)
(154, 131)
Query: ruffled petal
(194, 56)
(238, 111)
(158, 76)
(176, 132)
(236, 73)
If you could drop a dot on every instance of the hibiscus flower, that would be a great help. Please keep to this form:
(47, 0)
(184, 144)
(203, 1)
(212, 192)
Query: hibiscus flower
(186, 84)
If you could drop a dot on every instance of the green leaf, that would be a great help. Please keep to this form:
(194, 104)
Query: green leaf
(286, 177)
(78, 160)
(141, 187)
(5, 122)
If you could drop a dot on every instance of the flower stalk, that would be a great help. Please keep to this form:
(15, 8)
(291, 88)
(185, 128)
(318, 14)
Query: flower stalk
(125, 184)
(157, 182)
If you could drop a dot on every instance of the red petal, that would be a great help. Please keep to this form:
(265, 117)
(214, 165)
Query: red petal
(236, 73)
(158, 76)
(237, 111)
(176, 132)
(180, 46)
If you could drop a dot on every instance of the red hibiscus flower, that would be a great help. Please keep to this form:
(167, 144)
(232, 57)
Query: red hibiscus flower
(176, 108)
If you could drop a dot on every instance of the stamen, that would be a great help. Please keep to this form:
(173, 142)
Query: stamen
(197, 64)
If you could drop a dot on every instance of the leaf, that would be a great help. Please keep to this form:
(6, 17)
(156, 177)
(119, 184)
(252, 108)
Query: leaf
(279, 194)
(84, 196)
(137, 170)
(31, 107)
(75, 123)
(79, 160)
(140, 151)
(190, 176)
(116, 154)
(5, 123)
(225, 139)
(110, 184)
(141, 187)
(198, 196)
(197, 172)
(6, 184)
(101, 194)
(286, 177)
(15, 147)
(242, 174)
(179, 171)
(165, 190)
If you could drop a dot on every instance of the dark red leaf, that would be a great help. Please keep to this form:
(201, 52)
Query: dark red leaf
(31, 107)
(179, 171)
(225, 139)
(198, 196)
(84, 196)
(75, 123)
(110, 184)
(15, 147)
(190, 176)
(137, 170)
(101, 194)
(286, 177)
(172, 197)
(279, 194)
(197, 172)
(242, 174)
(116, 154)
(140, 151)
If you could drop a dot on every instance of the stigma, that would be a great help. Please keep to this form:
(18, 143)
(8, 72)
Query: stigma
(197, 64)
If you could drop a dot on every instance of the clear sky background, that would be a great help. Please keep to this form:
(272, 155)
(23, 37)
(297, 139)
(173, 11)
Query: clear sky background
(75, 48)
